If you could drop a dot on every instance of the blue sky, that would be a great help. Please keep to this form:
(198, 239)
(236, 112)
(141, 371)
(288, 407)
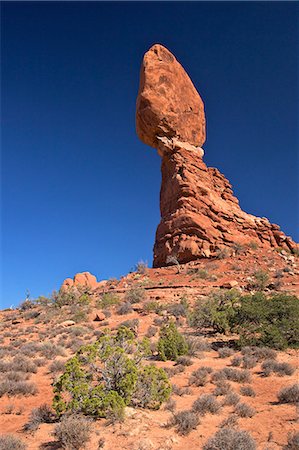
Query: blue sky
(79, 190)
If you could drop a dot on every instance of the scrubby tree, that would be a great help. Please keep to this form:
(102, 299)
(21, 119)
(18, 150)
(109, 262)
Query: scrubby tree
(171, 343)
(104, 377)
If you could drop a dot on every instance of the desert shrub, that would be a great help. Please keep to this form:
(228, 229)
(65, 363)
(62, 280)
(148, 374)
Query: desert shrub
(236, 361)
(170, 405)
(260, 321)
(231, 399)
(152, 388)
(124, 308)
(107, 300)
(289, 394)
(41, 414)
(22, 364)
(259, 353)
(114, 362)
(230, 422)
(135, 295)
(249, 362)
(293, 442)
(260, 280)
(185, 421)
(244, 410)
(172, 371)
(50, 350)
(10, 442)
(171, 343)
(30, 349)
(179, 309)
(272, 322)
(184, 361)
(200, 376)
(196, 345)
(12, 388)
(206, 403)
(73, 432)
(17, 376)
(222, 388)
(180, 390)
(73, 296)
(228, 373)
(151, 331)
(132, 324)
(280, 369)
(217, 311)
(248, 391)
(239, 376)
(225, 352)
(230, 439)
(141, 267)
(57, 366)
(153, 306)
(26, 304)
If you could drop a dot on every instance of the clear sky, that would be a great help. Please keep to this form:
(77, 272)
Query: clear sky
(80, 192)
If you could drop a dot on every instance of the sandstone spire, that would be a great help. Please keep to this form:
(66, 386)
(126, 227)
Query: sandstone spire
(199, 213)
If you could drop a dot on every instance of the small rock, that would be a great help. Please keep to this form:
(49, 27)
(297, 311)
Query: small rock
(230, 284)
(68, 323)
(99, 317)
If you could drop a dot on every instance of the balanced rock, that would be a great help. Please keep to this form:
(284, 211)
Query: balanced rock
(168, 105)
(200, 216)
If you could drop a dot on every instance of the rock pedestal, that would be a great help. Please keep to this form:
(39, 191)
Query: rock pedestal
(200, 216)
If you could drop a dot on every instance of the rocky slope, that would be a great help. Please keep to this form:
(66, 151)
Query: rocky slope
(200, 216)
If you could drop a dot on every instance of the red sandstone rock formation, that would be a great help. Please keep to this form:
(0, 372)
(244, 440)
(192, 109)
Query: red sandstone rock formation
(80, 279)
(199, 213)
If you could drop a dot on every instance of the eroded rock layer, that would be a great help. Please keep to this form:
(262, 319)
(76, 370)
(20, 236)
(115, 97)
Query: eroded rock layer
(199, 214)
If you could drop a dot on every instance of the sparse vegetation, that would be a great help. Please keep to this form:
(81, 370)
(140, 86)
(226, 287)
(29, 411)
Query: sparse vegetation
(206, 403)
(293, 442)
(185, 421)
(230, 439)
(289, 394)
(247, 391)
(10, 442)
(41, 414)
(200, 376)
(135, 295)
(73, 432)
(244, 410)
(225, 352)
(271, 366)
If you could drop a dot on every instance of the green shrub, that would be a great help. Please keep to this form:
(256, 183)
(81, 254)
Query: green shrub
(135, 295)
(152, 387)
(171, 343)
(107, 300)
(105, 376)
(217, 311)
(272, 322)
(260, 280)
